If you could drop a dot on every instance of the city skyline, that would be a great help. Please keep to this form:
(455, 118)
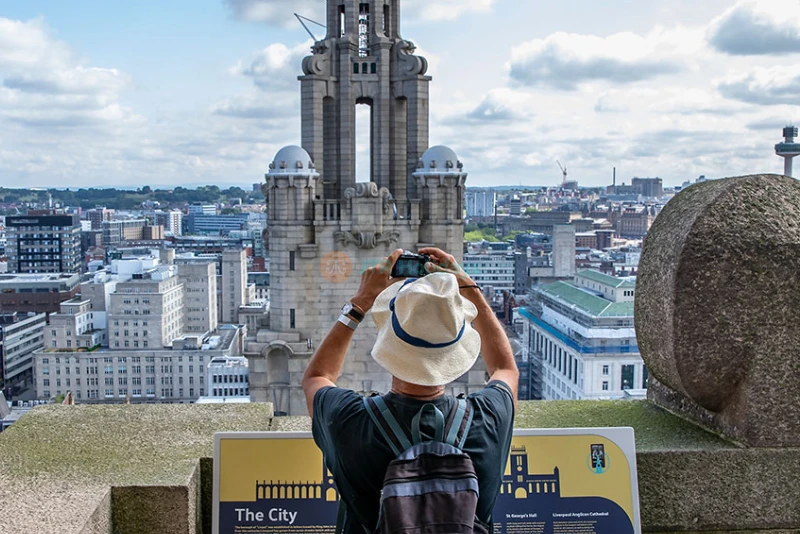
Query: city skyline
(204, 92)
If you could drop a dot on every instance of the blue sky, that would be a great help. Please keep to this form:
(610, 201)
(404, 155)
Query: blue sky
(98, 93)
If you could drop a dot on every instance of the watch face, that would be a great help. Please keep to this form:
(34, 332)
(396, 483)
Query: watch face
(347, 308)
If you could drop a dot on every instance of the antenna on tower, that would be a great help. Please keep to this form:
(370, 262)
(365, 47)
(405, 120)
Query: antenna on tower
(301, 18)
(563, 172)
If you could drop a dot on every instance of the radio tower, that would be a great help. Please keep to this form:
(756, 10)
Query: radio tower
(788, 149)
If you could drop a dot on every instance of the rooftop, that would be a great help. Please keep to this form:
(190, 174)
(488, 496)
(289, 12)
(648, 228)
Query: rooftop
(606, 279)
(592, 304)
(21, 278)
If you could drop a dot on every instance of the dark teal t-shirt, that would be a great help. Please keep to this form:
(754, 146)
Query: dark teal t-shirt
(357, 455)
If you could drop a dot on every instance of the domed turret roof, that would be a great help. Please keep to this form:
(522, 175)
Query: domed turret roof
(439, 159)
(292, 160)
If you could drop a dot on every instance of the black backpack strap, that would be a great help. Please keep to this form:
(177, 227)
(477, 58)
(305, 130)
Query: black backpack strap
(387, 424)
(458, 422)
(340, 516)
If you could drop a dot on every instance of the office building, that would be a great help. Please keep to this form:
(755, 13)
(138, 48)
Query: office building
(153, 233)
(648, 187)
(199, 278)
(201, 209)
(216, 224)
(260, 281)
(164, 375)
(228, 377)
(97, 289)
(561, 261)
(580, 342)
(20, 336)
(505, 271)
(635, 221)
(480, 203)
(147, 310)
(97, 216)
(43, 244)
(74, 327)
(37, 293)
(234, 284)
(172, 221)
(115, 232)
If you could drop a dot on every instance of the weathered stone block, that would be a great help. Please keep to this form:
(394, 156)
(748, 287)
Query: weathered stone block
(716, 307)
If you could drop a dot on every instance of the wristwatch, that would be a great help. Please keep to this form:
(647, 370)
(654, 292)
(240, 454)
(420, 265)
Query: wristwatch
(353, 311)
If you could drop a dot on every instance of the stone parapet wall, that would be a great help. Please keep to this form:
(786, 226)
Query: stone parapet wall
(136, 469)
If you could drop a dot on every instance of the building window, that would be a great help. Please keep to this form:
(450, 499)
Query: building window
(605, 370)
(627, 376)
(291, 318)
(291, 260)
(605, 386)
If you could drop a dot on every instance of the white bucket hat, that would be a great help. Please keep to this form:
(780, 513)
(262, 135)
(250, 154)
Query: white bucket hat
(425, 333)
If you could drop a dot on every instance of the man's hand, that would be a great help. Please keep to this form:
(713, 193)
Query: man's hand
(374, 280)
(442, 262)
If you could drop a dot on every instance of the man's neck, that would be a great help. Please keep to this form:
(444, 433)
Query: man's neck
(415, 391)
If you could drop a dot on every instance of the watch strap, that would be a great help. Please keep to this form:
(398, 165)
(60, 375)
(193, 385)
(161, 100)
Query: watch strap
(348, 321)
(355, 313)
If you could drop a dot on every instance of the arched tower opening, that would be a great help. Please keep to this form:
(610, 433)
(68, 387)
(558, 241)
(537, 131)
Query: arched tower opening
(364, 141)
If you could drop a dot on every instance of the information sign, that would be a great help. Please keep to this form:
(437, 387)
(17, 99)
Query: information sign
(557, 481)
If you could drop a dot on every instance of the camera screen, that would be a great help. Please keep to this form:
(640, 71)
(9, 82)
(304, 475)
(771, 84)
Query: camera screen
(409, 268)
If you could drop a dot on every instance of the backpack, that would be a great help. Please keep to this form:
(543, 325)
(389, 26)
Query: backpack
(430, 487)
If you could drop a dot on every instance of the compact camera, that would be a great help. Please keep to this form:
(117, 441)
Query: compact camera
(410, 265)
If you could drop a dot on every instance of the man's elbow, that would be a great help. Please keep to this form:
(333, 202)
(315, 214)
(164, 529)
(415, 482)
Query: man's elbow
(309, 380)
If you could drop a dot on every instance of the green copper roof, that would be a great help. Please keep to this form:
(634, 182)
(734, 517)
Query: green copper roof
(592, 304)
(606, 279)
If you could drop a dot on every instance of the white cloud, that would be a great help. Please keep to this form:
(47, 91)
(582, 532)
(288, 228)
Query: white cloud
(28, 45)
(764, 86)
(565, 60)
(757, 27)
(258, 106)
(281, 12)
(276, 12)
(433, 10)
(276, 66)
(76, 81)
(664, 100)
(503, 104)
(43, 83)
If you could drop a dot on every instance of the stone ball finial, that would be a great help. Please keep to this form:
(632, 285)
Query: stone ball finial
(717, 307)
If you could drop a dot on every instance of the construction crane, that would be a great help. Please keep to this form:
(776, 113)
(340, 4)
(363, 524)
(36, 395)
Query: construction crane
(563, 172)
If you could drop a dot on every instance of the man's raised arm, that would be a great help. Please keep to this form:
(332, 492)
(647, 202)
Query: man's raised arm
(495, 347)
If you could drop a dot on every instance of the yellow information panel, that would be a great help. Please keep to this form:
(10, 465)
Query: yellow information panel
(557, 481)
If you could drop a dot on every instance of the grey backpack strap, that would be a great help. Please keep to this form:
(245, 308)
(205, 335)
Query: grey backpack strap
(416, 433)
(458, 422)
(387, 424)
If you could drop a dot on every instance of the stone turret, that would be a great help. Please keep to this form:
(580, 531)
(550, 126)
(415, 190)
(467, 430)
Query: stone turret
(440, 180)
